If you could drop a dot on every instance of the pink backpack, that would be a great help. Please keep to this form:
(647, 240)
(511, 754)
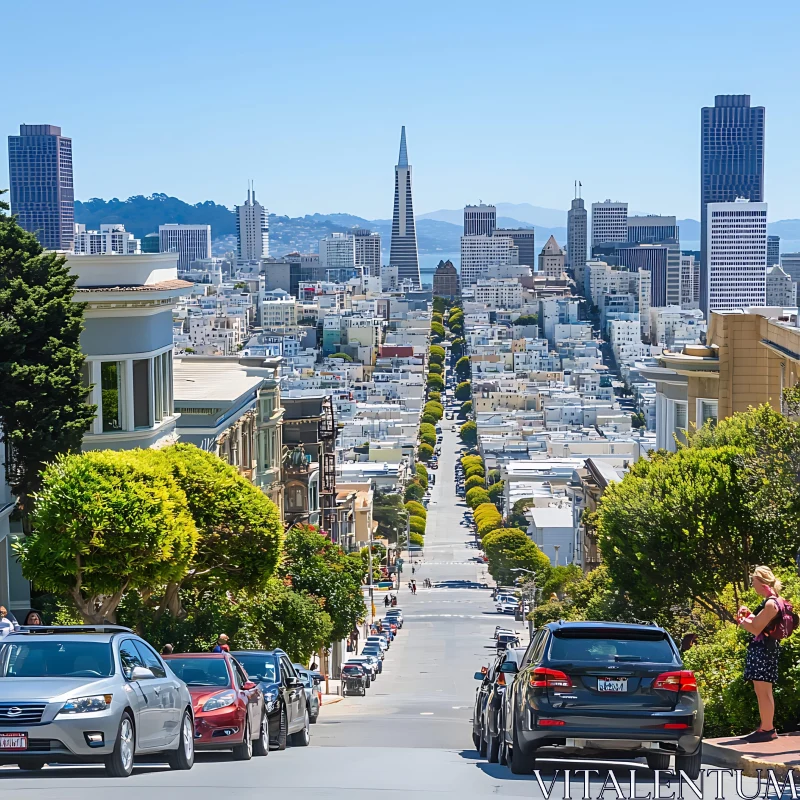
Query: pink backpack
(786, 623)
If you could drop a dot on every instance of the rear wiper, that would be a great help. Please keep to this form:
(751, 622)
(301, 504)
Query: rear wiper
(627, 658)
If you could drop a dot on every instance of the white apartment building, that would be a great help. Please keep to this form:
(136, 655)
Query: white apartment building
(367, 246)
(781, 291)
(497, 293)
(190, 242)
(480, 220)
(736, 268)
(625, 337)
(111, 239)
(609, 222)
(337, 252)
(690, 282)
(671, 324)
(478, 253)
(252, 229)
(278, 312)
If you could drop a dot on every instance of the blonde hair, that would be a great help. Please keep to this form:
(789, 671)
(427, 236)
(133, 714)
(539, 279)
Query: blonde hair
(767, 576)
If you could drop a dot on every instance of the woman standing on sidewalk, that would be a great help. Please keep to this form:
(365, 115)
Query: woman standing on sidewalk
(761, 661)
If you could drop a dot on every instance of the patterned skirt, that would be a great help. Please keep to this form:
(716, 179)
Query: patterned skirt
(761, 662)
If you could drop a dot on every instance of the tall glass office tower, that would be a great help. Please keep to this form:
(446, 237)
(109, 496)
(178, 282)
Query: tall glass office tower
(732, 163)
(40, 174)
(403, 252)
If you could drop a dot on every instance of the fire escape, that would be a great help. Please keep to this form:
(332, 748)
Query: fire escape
(327, 438)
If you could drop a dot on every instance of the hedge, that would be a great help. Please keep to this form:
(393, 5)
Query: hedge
(475, 480)
(417, 524)
(476, 497)
(417, 509)
(424, 452)
(417, 539)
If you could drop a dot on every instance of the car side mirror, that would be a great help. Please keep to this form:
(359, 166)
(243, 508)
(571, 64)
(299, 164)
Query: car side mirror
(248, 685)
(293, 682)
(142, 674)
(508, 666)
(479, 676)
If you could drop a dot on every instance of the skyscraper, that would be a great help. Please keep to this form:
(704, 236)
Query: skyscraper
(735, 270)
(657, 230)
(524, 240)
(732, 163)
(252, 229)
(337, 255)
(190, 242)
(42, 195)
(773, 250)
(478, 253)
(609, 222)
(479, 220)
(403, 252)
(368, 251)
(577, 232)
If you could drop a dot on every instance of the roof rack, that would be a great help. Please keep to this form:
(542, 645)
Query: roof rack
(51, 629)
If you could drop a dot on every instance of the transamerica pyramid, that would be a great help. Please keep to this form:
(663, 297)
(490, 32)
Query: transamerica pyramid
(403, 253)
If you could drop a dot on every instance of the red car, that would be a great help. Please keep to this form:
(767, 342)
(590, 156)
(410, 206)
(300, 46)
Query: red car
(229, 712)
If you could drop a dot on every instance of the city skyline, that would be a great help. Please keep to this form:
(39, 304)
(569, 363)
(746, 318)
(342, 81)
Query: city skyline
(638, 154)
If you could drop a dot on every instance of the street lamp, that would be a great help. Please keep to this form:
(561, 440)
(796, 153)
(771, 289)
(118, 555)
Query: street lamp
(532, 597)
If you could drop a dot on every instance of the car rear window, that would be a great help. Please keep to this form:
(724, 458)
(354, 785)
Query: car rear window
(201, 671)
(613, 648)
(56, 659)
(259, 667)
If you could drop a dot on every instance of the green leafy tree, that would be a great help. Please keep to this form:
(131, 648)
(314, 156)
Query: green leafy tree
(343, 356)
(487, 518)
(435, 397)
(463, 368)
(426, 437)
(422, 474)
(494, 475)
(435, 382)
(417, 539)
(638, 420)
(414, 491)
(465, 410)
(439, 305)
(527, 319)
(469, 433)
(510, 549)
(457, 347)
(417, 509)
(239, 527)
(107, 522)
(42, 397)
(437, 329)
(463, 391)
(434, 407)
(436, 369)
(429, 419)
(388, 512)
(474, 469)
(496, 492)
(477, 496)
(417, 524)
(424, 452)
(318, 567)
(473, 481)
(517, 518)
(436, 354)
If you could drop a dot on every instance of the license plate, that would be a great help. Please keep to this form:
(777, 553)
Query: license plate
(612, 684)
(13, 741)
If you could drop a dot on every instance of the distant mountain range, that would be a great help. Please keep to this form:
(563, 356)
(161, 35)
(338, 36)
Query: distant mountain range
(437, 231)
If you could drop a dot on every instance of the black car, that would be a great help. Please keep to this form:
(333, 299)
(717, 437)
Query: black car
(284, 695)
(486, 676)
(492, 723)
(603, 689)
(354, 680)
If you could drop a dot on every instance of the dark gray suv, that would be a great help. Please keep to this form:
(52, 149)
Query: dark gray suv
(603, 689)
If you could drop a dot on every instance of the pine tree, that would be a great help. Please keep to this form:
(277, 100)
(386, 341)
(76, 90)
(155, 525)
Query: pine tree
(42, 398)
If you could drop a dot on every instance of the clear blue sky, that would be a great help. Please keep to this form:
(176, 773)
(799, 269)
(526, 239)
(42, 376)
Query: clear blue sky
(506, 101)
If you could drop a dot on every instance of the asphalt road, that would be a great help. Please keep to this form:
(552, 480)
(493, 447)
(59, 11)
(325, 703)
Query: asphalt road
(409, 737)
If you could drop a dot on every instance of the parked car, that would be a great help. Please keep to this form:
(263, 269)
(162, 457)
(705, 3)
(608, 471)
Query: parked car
(486, 677)
(354, 680)
(395, 613)
(375, 650)
(492, 723)
(506, 605)
(288, 714)
(604, 689)
(56, 679)
(313, 694)
(229, 712)
(380, 638)
(369, 664)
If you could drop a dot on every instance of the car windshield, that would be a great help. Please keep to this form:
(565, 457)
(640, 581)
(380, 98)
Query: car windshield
(600, 649)
(201, 671)
(352, 669)
(305, 679)
(260, 668)
(56, 659)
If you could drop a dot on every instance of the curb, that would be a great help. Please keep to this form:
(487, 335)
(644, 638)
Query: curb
(722, 756)
(330, 699)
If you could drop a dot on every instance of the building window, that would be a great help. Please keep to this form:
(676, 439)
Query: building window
(706, 410)
(681, 419)
(110, 384)
(141, 393)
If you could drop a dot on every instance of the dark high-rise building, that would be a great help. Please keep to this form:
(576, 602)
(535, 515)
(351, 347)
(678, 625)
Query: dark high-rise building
(732, 162)
(42, 194)
(773, 250)
(479, 220)
(403, 252)
(524, 241)
(445, 280)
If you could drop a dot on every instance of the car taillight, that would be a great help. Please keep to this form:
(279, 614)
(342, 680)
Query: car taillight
(501, 679)
(546, 678)
(675, 726)
(546, 723)
(679, 681)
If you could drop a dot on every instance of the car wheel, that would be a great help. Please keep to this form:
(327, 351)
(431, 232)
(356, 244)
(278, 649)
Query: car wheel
(183, 757)
(303, 736)
(690, 764)
(120, 763)
(492, 748)
(244, 751)
(476, 740)
(522, 763)
(30, 764)
(261, 745)
(283, 726)
(503, 754)
(482, 745)
(314, 717)
(658, 760)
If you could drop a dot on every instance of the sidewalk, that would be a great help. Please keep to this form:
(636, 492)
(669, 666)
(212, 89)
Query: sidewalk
(780, 755)
(334, 696)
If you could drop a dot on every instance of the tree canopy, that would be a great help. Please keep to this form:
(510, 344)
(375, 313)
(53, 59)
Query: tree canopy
(510, 549)
(463, 390)
(477, 496)
(469, 433)
(343, 356)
